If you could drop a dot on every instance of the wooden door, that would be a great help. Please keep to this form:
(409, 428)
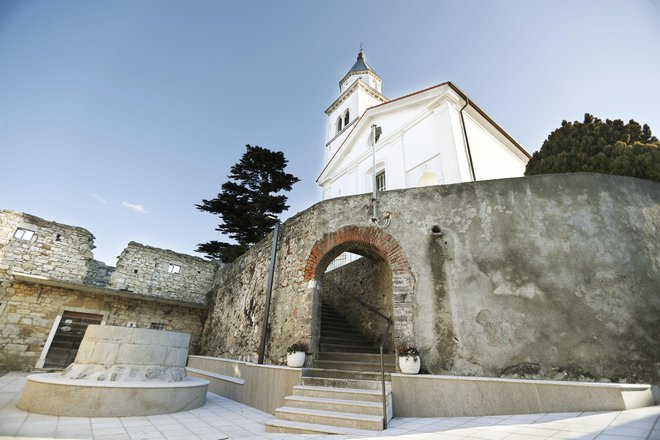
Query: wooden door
(67, 338)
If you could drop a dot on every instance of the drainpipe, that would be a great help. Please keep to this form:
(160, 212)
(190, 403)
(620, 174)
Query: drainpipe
(269, 291)
(465, 136)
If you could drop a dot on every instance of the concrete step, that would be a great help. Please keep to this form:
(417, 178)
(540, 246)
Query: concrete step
(334, 373)
(289, 427)
(327, 392)
(353, 365)
(388, 358)
(333, 418)
(337, 405)
(333, 382)
(325, 347)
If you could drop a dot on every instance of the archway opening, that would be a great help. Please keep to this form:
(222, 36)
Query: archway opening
(355, 299)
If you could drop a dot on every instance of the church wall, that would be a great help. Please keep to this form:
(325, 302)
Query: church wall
(549, 276)
(491, 158)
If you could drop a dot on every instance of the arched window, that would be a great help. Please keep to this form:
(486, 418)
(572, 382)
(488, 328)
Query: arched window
(339, 124)
(347, 117)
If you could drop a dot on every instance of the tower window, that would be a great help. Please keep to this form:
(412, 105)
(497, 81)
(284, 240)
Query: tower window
(174, 268)
(347, 117)
(339, 121)
(380, 181)
(24, 234)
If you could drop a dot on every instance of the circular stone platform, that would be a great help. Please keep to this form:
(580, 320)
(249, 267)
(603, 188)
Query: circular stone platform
(119, 371)
(55, 395)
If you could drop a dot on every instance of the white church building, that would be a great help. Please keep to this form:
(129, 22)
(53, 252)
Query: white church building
(431, 137)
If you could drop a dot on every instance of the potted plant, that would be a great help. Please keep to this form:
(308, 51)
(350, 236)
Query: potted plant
(295, 354)
(409, 362)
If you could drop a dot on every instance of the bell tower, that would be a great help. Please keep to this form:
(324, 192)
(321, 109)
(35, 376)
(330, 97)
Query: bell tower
(359, 89)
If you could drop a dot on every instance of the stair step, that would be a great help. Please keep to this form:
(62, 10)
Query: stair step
(353, 365)
(388, 358)
(328, 392)
(338, 382)
(344, 341)
(333, 418)
(290, 427)
(333, 373)
(337, 405)
(327, 347)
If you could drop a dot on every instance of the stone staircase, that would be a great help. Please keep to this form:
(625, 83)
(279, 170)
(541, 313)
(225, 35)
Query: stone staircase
(342, 394)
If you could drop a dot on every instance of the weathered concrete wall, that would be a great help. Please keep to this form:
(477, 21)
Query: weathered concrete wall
(30, 312)
(357, 289)
(147, 270)
(261, 386)
(550, 276)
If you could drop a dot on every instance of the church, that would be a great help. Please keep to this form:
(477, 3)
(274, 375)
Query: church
(434, 136)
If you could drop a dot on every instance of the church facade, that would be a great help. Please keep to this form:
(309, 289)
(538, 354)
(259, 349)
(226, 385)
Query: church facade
(431, 137)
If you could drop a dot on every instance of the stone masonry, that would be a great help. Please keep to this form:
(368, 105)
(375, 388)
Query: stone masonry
(47, 268)
(551, 276)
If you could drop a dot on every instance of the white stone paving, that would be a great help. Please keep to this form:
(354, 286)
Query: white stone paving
(222, 418)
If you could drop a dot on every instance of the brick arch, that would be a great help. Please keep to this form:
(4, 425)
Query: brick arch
(385, 245)
(373, 242)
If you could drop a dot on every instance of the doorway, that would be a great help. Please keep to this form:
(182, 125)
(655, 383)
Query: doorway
(68, 336)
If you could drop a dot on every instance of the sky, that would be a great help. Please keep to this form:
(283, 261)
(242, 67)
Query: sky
(119, 116)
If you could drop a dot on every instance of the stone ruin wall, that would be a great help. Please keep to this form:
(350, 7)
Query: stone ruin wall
(551, 276)
(145, 270)
(64, 253)
(31, 309)
(57, 251)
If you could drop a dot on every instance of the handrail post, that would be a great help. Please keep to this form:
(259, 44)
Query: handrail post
(382, 371)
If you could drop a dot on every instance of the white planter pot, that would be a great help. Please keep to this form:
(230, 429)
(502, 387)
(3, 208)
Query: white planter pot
(409, 364)
(296, 359)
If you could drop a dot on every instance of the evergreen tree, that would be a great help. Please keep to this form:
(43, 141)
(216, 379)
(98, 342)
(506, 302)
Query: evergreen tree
(248, 202)
(609, 147)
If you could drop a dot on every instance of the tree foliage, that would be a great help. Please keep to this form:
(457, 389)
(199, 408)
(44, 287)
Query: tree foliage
(248, 202)
(609, 147)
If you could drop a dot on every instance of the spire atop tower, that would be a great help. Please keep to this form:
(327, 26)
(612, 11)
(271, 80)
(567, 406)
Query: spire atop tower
(361, 71)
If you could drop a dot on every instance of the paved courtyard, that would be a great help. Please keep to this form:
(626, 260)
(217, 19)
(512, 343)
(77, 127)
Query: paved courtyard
(222, 418)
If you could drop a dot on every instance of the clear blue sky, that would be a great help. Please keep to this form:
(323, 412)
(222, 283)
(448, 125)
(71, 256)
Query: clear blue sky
(110, 108)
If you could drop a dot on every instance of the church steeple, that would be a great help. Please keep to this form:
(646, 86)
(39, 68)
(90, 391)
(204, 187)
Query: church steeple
(361, 71)
(359, 89)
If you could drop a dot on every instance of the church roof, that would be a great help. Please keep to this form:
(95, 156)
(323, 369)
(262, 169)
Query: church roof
(359, 66)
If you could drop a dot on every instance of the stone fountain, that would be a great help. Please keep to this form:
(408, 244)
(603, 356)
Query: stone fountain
(119, 371)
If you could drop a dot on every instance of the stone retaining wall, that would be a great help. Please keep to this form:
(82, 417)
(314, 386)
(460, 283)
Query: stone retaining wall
(551, 276)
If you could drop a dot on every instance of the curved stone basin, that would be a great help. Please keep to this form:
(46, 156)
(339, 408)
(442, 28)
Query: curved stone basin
(53, 394)
(119, 371)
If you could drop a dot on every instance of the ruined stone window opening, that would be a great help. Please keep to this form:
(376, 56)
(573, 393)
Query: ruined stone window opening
(157, 326)
(23, 234)
(380, 181)
(174, 268)
(57, 237)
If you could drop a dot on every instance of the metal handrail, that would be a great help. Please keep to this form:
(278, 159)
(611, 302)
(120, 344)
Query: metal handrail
(382, 370)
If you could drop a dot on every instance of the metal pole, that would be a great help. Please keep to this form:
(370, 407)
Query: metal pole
(374, 197)
(269, 291)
